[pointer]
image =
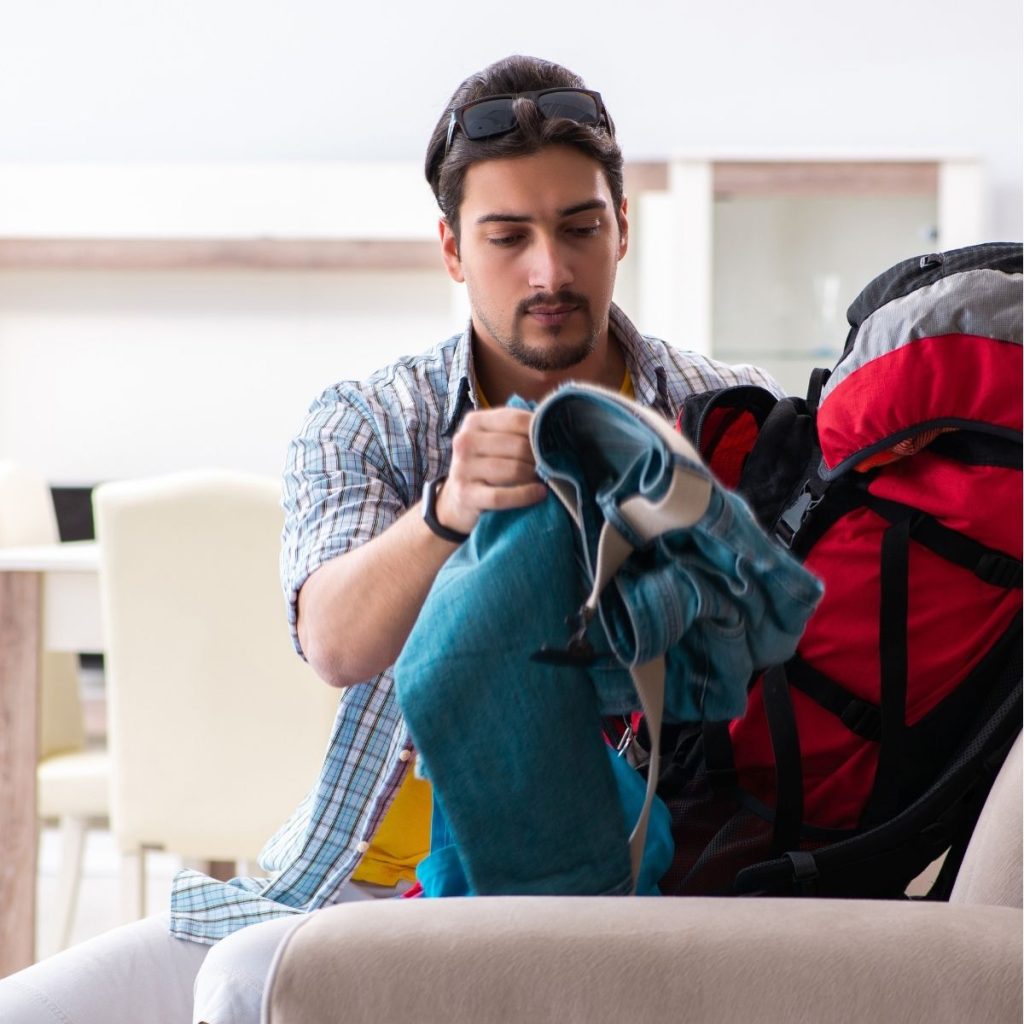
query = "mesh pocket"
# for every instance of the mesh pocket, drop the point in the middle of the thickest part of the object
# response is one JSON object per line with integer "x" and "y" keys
{"x": 715, "y": 837}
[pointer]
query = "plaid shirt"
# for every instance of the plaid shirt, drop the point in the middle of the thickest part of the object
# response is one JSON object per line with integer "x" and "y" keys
{"x": 358, "y": 463}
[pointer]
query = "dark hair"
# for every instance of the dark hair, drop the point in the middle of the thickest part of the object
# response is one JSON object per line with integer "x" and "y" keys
{"x": 516, "y": 74}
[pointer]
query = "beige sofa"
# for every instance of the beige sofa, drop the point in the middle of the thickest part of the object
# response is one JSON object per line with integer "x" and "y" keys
{"x": 602, "y": 959}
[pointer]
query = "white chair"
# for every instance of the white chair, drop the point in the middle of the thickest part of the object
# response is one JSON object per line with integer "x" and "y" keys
{"x": 72, "y": 781}
{"x": 217, "y": 728}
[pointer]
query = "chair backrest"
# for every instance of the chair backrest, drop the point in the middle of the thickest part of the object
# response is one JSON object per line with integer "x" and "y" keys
{"x": 991, "y": 872}
{"x": 217, "y": 727}
{"x": 27, "y": 517}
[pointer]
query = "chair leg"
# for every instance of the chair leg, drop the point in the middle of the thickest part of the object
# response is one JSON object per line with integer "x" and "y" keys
{"x": 222, "y": 870}
{"x": 133, "y": 885}
{"x": 72, "y": 844}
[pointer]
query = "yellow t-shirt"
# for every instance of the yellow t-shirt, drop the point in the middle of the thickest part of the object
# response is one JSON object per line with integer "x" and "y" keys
{"x": 402, "y": 840}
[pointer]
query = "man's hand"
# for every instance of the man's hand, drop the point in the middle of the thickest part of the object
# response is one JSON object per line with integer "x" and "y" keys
{"x": 492, "y": 468}
{"x": 356, "y": 611}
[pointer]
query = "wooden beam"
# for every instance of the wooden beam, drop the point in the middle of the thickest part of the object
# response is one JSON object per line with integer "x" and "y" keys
{"x": 645, "y": 176}
{"x": 20, "y": 643}
{"x": 731, "y": 178}
{"x": 825, "y": 178}
{"x": 218, "y": 254}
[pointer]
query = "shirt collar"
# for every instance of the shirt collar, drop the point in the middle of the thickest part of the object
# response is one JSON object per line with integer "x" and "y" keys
{"x": 461, "y": 382}
{"x": 643, "y": 360}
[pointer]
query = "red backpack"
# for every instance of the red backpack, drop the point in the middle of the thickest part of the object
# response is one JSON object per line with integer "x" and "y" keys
{"x": 898, "y": 482}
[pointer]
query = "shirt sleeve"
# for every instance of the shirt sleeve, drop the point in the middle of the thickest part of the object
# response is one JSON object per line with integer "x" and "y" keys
{"x": 692, "y": 373}
{"x": 749, "y": 374}
{"x": 343, "y": 484}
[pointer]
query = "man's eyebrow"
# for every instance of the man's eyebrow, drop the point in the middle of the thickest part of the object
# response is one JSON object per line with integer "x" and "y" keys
{"x": 504, "y": 218}
{"x": 522, "y": 218}
{"x": 590, "y": 204}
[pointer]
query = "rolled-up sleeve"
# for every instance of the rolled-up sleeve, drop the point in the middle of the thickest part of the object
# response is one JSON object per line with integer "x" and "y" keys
{"x": 341, "y": 487}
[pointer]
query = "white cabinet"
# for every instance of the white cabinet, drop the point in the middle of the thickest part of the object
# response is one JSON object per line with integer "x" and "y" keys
{"x": 756, "y": 260}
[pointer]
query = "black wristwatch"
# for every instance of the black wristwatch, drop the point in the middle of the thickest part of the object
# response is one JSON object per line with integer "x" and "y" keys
{"x": 430, "y": 489}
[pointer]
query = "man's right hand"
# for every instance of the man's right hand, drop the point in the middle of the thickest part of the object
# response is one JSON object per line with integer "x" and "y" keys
{"x": 356, "y": 611}
{"x": 492, "y": 468}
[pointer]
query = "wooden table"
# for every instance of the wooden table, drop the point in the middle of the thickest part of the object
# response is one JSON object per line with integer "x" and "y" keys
{"x": 49, "y": 599}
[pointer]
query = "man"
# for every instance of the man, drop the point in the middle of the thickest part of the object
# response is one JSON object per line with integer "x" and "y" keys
{"x": 528, "y": 176}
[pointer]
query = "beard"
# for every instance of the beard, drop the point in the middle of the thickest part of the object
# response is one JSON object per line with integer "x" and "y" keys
{"x": 564, "y": 349}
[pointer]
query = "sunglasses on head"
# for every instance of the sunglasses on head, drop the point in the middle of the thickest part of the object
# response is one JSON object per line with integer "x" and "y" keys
{"x": 495, "y": 115}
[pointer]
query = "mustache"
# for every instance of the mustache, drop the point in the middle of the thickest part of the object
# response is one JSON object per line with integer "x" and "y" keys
{"x": 559, "y": 298}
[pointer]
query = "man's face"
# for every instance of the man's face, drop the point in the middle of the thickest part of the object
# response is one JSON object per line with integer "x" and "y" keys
{"x": 541, "y": 241}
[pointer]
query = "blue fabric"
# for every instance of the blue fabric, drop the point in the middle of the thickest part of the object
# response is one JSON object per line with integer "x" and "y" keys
{"x": 442, "y": 873}
{"x": 503, "y": 738}
{"x": 513, "y": 746}
{"x": 719, "y": 599}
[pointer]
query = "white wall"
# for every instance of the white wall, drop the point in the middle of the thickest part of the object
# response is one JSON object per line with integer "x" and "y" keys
{"x": 117, "y": 374}
{"x": 318, "y": 79}
{"x": 108, "y": 375}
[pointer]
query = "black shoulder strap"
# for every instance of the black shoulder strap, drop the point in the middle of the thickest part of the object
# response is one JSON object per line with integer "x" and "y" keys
{"x": 892, "y": 638}
{"x": 819, "y": 378}
{"x": 789, "y": 783}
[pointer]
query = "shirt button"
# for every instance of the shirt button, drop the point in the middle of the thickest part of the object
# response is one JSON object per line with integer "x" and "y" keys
{"x": 405, "y": 755}
{"x": 362, "y": 847}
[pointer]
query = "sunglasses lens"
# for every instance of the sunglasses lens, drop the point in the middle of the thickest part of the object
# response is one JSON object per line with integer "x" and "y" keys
{"x": 488, "y": 117}
{"x": 495, "y": 115}
{"x": 576, "y": 106}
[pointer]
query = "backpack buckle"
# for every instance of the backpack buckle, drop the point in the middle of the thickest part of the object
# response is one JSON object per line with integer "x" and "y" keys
{"x": 804, "y": 872}
{"x": 864, "y": 719}
{"x": 793, "y": 518}
{"x": 999, "y": 570}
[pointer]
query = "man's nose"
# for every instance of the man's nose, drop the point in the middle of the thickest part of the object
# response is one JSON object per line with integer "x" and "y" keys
{"x": 550, "y": 266}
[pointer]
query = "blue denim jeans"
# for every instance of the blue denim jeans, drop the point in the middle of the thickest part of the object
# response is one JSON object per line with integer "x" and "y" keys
{"x": 512, "y": 744}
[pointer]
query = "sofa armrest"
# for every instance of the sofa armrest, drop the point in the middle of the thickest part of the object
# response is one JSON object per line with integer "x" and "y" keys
{"x": 991, "y": 870}
{"x": 594, "y": 959}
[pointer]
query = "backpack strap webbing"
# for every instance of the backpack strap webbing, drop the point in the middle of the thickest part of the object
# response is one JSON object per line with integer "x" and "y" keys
{"x": 858, "y": 715}
{"x": 805, "y": 872}
{"x": 892, "y": 641}
{"x": 979, "y": 448}
{"x": 988, "y": 564}
{"x": 819, "y": 378}
{"x": 789, "y": 784}
{"x": 880, "y": 861}
{"x": 719, "y": 763}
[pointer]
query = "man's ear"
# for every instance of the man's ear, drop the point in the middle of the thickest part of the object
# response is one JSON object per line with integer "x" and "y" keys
{"x": 623, "y": 227}
{"x": 450, "y": 251}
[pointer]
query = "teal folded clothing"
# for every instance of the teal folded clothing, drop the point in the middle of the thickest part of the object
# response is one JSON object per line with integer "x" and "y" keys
{"x": 442, "y": 874}
{"x": 548, "y": 617}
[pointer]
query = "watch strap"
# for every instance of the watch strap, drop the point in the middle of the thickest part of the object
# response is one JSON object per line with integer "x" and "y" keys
{"x": 430, "y": 489}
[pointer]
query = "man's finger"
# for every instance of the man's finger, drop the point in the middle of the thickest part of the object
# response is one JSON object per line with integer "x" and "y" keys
{"x": 502, "y": 420}
{"x": 483, "y": 444}
{"x": 496, "y": 472}
{"x": 496, "y": 498}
